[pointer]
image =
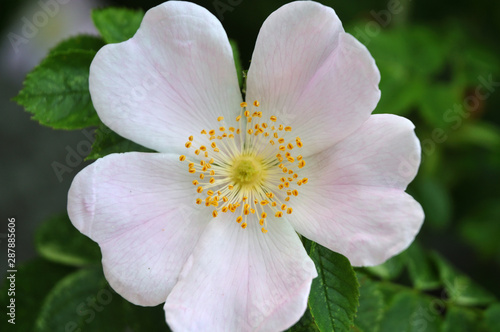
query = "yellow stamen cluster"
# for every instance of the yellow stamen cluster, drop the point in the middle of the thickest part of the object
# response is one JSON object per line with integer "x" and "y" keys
{"x": 248, "y": 170}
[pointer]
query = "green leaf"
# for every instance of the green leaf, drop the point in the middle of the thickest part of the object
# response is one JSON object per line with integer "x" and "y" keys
{"x": 479, "y": 60}
{"x": 409, "y": 312}
{"x": 57, "y": 93}
{"x": 481, "y": 134}
{"x": 428, "y": 56}
{"x": 481, "y": 228}
{"x": 334, "y": 293}
{"x": 389, "y": 290}
{"x": 391, "y": 269}
{"x": 436, "y": 201}
{"x": 237, "y": 62}
{"x": 34, "y": 280}
{"x": 398, "y": 98}
{"x": 407, "y": 58}
{"x": 59, "y": 241}
{"x": 460, "y": 288}
{"x": 420, "y": 268}
{"x": 81, "y": 42}
{"x": 437, "y": 100}
{"x": 117, "y": 24}
{"x": 82, "y": 300}
{"x": 460, "y": 319}
{"x": 144, "y": 319}
{"x": 371, "y": 305}
{"x": 492, "y": 317}
{"x": 107, "y": 142}
{"x": 305, "y": 324}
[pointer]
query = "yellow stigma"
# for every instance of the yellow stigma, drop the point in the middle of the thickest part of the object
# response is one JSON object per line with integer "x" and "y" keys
{"x": 244, "y": 172}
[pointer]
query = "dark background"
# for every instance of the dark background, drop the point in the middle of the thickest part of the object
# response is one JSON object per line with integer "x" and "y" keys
{"x": 431, "y": 55}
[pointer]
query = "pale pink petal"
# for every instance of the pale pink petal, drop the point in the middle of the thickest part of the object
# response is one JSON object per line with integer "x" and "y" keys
{"x": 384, "y": 152}
{"x": 314, "y": 76}
{"x": 354, "y": 201}
{"x": 171, "y": 80}
{"x": 242, "y": 280}
{"x": 139, "y": 208}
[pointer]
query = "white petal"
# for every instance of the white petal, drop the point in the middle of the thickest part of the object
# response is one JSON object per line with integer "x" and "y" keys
{"x": 368, "y": 225}
{"x": 354, "y": 202}
{"x": 242, "y": 280}
{"x": 313, "y": 75}
{"x": 139, "y": 208}
{"x": 171, "y": 80}
{"x": 384, "y": 152}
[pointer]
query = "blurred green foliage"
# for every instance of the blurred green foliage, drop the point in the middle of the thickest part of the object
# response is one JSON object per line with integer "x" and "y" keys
{"x": 440, "y": 67}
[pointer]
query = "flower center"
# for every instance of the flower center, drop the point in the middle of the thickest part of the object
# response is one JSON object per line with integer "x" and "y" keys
{"x": 250, "y": 170}
{"x": 247, "y": 171}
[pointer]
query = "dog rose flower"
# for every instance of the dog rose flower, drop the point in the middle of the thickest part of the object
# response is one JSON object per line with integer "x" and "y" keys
{"x": 209, "y": 224}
